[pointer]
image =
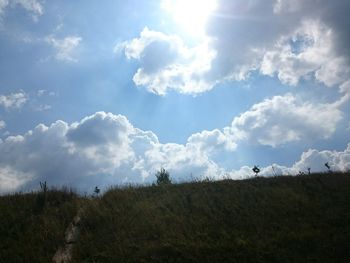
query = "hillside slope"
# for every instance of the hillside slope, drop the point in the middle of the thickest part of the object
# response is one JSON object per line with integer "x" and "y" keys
{"x": 281, "y": 219}
{"x": 32, "y": 226}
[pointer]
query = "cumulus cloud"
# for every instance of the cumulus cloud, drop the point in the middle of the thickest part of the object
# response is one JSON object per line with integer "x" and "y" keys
{"x": 290, "y": 39}
{"x": 167, "y": 63}
{"x": 13, "y": 100}
{"x": 312, "y": 158}
{"x": 100, "y": 149}
{"x": 307, "y": 51}
{"x": 215, "y": 140}
{"x": 284, "y": 119}
{"x": 99, "y": 136}
{"x": 104, "y": 149}
{"x": 339, "y": 161}
{"x": 11, "y": 180}
{"x": 303, "y": 37}
{"x": 45, "y": 154}
{"x": 181, "y": 160}
{"x": 275, "y": 121}
{"x": 64, "y": 47}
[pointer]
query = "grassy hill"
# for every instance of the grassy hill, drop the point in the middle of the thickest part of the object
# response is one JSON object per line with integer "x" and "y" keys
{"x": 32, "y": 225}
{"x": 280, "y": 219}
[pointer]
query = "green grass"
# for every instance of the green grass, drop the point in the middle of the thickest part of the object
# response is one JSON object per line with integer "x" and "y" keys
{"x": 32, "y": 225}
{"x": 279, "y": 219}
{"x": 282, "y": 219}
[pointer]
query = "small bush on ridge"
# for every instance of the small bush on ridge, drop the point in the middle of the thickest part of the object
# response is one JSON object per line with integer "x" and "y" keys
{"x": 163, "y": 177}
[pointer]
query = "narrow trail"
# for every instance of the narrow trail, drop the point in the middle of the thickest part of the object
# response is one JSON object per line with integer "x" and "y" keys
{"x": 64, "y": 253}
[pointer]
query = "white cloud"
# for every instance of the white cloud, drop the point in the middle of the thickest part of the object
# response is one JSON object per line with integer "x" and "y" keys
{"x": 13, "y": 100}
{"x": 3, "y": 5}
{"x": 104, "y": 149}
{"x": 284, "y": 119}
{"x": 45, "y": 154}
{"x": 308, "y": 50}
{"x": 33, "y": 6}
{"x": 166, "y": 63}
{"x": 2, "y": 124}
{"x": 12, "y": 180}
{"x": 44, "y": 92}
{"x": 215, "y": 140}
{"x": 292, "y": 39}
{"x": 339, "y": 161}
{"x": 103, "y": 138}
{"x": 313, "y": 159}
{"x": 65, "y": 47}
{"x": 43, "y": 107}
{"x": 274, "y": 122}
{"x": 101, "y": 149}
{"x": 41, "y": 92}
{"x": 181, "y": 160}
{"x": 345, "y": 87}
{"x": 241, "y": 31}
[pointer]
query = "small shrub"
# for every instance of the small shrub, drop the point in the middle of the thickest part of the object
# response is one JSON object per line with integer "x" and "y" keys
{"x": 163, "y": 177}
{"x": 256, "y": 170}
{"x": 96, "y": 191}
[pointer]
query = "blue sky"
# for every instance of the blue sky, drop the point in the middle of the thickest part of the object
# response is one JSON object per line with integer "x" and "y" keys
{"x": 99, "y": 94}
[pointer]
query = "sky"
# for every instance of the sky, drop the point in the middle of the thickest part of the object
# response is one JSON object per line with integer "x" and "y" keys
{"x": 100, "y": 94}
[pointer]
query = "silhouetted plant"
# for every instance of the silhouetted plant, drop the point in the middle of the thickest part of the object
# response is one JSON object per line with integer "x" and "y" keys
{"x": 41, "y": 197}
{"x": 208, "y": 179}
{"x": 256, "y": 170}
{"x": 273, "y": 170}
{"x": 43, "y": 187}
{"x": 328, "y": 167}
{"x": 96, "y": 191}
{"x": 163, "y": 177}
{"x": 227, "y": 177}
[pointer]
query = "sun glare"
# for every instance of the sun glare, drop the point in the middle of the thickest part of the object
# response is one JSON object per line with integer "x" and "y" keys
{"x": 190, "y": 15}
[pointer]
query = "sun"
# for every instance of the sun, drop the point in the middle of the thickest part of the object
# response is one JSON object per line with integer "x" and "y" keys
{"x": 190, "y": 15}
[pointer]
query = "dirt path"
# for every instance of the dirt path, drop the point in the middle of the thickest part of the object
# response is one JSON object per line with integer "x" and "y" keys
{"x": 64, "y": 253}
